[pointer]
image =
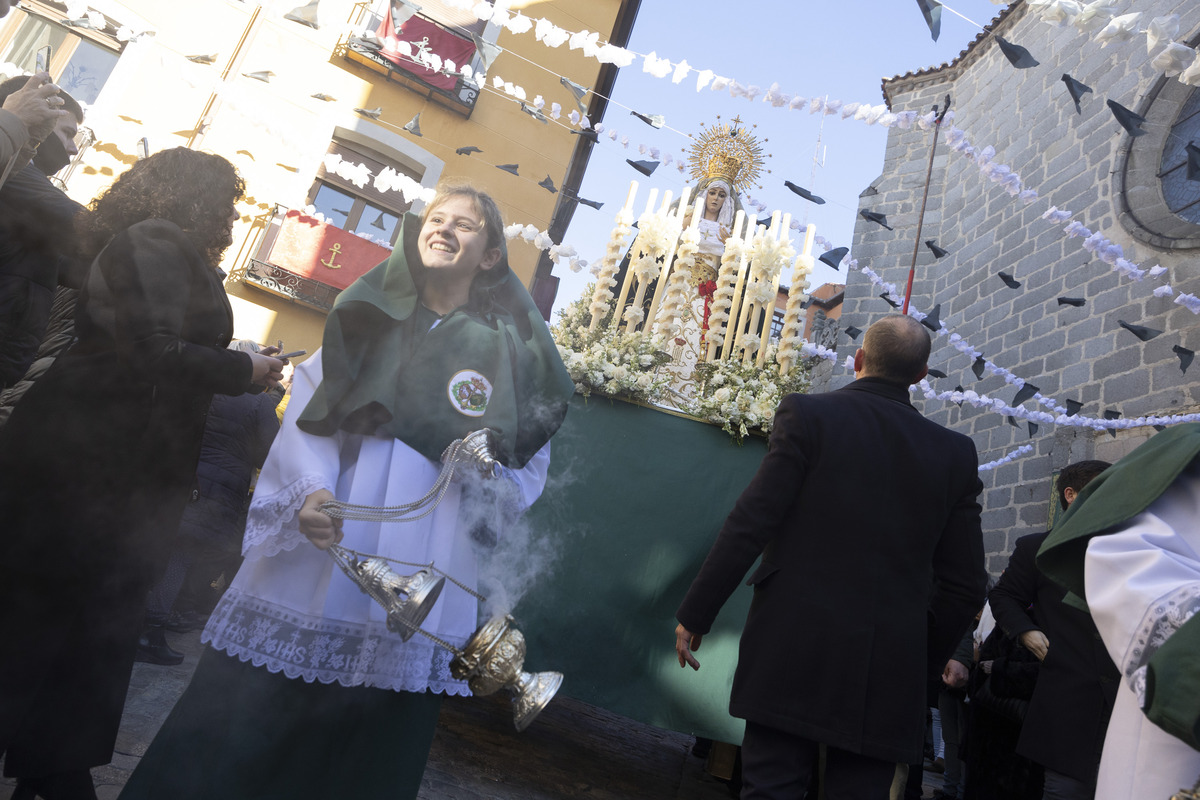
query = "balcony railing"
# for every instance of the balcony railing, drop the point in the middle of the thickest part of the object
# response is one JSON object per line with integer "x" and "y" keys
{"x": 307, "y": 260}
{"x": 459, "y": 97}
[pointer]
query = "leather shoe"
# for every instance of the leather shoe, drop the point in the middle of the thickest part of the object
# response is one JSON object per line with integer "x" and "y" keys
{"x": 153, "y": 649}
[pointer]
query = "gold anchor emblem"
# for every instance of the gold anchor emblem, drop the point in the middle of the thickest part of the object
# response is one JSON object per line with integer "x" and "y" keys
{"x": 333, "y": 254}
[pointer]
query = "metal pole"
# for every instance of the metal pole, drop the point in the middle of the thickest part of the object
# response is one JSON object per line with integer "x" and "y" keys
{"x": 937, "y": 127}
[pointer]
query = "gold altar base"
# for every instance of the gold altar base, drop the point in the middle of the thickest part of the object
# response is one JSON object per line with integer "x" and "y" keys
{"x": 493, "y": 659}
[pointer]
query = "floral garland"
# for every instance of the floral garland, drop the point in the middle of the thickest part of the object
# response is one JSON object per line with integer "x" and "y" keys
{"x": 606, "y": 360}
{"x": 742, "y": 398}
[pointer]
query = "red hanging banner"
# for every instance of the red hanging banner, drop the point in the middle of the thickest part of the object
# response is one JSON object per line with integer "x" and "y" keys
{"x": 429, "y": 37}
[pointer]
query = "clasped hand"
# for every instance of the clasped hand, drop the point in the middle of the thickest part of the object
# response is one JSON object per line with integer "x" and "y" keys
{"x": 321, "y": 529}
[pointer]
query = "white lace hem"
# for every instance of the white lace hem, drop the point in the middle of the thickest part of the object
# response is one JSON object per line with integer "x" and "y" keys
{"x": 271, "y": 523}
{"x": 1160, "y": 621}
{"x": 312, "y": 648}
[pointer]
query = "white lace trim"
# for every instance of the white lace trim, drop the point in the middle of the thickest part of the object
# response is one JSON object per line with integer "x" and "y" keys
{"x": 1161, "y": 620}
{"x": 271, "y": 524}
{"x": 317, "y": 649}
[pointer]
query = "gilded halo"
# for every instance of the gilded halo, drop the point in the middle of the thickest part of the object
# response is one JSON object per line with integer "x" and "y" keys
{"x": 726, "y": 150}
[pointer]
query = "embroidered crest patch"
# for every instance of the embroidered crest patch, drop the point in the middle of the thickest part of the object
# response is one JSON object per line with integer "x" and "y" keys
{"x": 469, "y": 392}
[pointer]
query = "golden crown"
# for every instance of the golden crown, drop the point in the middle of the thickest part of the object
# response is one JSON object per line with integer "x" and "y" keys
{"x": 728, "y": 151}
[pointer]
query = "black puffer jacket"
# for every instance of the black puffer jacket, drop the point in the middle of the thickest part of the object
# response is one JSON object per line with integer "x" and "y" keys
{"x": 237, "y": 436}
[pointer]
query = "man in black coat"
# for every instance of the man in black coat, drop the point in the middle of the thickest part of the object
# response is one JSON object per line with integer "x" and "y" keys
{"x": 38, "y": 250}
{"x": 1064, "y": 728}
{"x": 858, "y": 501}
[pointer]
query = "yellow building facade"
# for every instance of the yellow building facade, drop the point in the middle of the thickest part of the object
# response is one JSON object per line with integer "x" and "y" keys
{"x": 300, "y": 97}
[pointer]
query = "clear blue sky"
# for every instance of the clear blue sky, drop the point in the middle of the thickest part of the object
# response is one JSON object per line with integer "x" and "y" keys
{"x": 839, "y": 48}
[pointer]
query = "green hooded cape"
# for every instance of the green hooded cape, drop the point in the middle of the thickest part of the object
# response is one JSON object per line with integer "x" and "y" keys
{"x": 1117, "y": 495}
{"x": 490, "y": 363}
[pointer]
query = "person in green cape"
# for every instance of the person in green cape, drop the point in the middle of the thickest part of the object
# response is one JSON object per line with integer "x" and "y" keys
{"x": 1129, "y": 550}
{"x": 304, "y": 691}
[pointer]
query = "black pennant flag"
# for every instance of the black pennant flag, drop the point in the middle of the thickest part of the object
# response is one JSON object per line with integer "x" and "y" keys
{"x": 937, "y": 251}
{"x": 853, "y": 332}
{"x": 932, "y": 319}
{"x": 978, "y": 367}
{"x": 1140, "y": 331}
{"x": 1024, "y": 393}
{"x": 1009, "y": 280}
{"x": 932, "y": 11}
{"x": 1185, "y": 357}
{"x": 805, "y": 193}
{"x": 834, "y": 257}
{"x": 1130, "y": 121}
{"x": 645, "y": 167}
{"x": 936, "y": 373}
{"x": 1073, "y": 407}
{"x": 1076, "y": 89}
{"x": 876, "y": 217}
{"x": 1077, "y": 302}
{"x": 1017, "y": 56}
{"x": 1193, "y": 162}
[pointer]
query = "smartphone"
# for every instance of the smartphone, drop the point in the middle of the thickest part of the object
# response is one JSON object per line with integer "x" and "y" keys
{"x": 143, "y": 148}
{"x": 42, "y": 60}
{"x": 292, "y": 354}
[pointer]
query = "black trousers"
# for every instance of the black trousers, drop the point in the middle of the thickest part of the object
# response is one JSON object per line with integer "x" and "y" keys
{"x": 777, "y": 766}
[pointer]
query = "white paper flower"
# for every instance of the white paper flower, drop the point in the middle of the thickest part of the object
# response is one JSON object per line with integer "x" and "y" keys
{"x": 1174, "y": 59}
{"x": 1119, "y": 29}
{"x": 1160, "y": 31}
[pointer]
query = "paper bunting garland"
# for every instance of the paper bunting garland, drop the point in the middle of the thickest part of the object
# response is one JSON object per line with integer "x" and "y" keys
{"x": 1009, "y": 280}
{"x": 834, "y": 257}
{"x": 805, "y": 193}
{"x": 548, "y": 185}
{"x": 937, "y": 251}
{"x": 466, "y": 151}
{"x": 413, "y": 126}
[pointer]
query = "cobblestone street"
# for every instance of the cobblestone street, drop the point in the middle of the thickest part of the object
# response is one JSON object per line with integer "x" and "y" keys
{"x": 572, "y": 750}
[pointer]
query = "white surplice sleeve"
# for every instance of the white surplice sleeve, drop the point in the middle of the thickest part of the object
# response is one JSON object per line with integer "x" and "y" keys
{"x": 1143, "y": 582}
{"x": 298, "y": 465}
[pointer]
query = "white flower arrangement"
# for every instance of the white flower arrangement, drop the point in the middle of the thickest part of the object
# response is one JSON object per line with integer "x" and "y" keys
{"x": 607, "y": 361}
{"x": 742, "y": 398}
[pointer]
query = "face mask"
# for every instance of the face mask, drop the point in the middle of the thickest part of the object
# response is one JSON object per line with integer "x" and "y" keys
{"x": 51, "y": 155}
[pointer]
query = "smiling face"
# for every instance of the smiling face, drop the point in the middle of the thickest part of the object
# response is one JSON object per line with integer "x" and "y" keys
{"x": 714, "y": 198}
{"x": 453, "y": 242}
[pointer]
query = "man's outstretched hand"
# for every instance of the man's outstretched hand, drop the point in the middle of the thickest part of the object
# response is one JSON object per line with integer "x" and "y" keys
{"x": 685, "y": 643}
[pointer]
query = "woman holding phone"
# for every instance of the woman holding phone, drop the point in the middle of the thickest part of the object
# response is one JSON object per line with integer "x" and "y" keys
{"x": 100, "y": 456}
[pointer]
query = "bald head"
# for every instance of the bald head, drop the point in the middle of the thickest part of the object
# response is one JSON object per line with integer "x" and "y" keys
{"x": 895, "y": 349}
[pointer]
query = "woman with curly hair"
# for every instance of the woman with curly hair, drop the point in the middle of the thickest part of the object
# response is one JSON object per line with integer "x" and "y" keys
{"x": 99, "y": 458}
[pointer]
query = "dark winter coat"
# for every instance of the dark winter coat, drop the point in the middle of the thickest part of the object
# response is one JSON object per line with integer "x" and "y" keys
{"x": 1077, "y": 684}
{"x": 96, "y": 464}
{"x": 857, "y": 502}
{"x": 236, "y": 441}
{"x": 37, "y": 252}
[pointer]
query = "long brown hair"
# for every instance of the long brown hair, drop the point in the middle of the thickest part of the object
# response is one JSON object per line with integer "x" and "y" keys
{"x": 196, "y": 191}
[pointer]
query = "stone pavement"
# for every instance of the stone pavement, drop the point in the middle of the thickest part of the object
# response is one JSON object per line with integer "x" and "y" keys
{"x": 572, "y": 750}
